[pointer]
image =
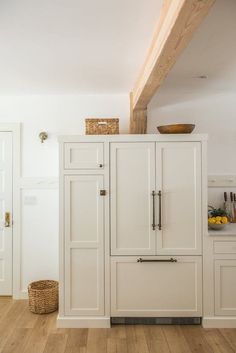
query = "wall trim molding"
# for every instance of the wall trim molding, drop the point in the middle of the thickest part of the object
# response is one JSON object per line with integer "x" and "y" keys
{"x": 39, "y": 183}
{"x": 23, "y": 294}
{"x": 221, "y": 180}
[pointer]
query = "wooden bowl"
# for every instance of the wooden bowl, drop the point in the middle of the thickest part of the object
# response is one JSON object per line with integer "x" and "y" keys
{"x": 176, "y": 129}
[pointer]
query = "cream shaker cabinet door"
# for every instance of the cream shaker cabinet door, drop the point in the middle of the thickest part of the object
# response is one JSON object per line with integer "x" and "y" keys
{"x": 84, "y": 238}
{"x": 225, "y": 287}
{"x": 131, "y": 185}
{"x": 156, "y": 286}
{"x": 83, "y": 155}
{"x": 178, "y": 198}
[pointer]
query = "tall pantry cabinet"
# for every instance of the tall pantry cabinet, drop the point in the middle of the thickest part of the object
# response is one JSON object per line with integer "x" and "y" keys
{"x": 131, "y": 227}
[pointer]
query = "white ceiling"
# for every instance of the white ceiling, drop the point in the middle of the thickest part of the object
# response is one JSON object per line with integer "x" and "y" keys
{"x": 211, "y": 52}
{"x": 73, "y": 46}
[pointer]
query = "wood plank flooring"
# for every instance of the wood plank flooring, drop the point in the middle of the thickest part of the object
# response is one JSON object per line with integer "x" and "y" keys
{"x": 24, "y": 332}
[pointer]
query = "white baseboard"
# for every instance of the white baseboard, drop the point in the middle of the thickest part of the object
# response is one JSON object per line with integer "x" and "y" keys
{"x": 83, "y": 322}
{"x": 219, "y": 322}
{"x": 23, "y": 294}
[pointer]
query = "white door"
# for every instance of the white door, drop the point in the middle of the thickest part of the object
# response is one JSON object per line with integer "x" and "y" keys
{"x": 84, "y": 239}
{"x": 178, "y": 198}
{"x": 5, "y": 213}
{"x": 132, "y": 183}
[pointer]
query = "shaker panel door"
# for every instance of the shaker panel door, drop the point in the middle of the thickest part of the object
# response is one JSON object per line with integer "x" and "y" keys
{"x": 131, "y": 186}
{"x": 225, "y": 287}
{"x": 178, "y": 178}
{"x": 84, "y": 238}
{"x": 159, "y": 289}
{"x": 83, "y": 155}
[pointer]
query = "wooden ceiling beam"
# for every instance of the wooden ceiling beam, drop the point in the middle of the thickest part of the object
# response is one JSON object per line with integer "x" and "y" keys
{"x": 177, "y": 22}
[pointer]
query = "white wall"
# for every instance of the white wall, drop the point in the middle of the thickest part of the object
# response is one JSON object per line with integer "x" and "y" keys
{"x": 215, "y": 115}
{"x": 57, "y": 115}
{"x": 212, "y": 114}
{"x": 39, "y": 197}
{"x": 65, "y": 115}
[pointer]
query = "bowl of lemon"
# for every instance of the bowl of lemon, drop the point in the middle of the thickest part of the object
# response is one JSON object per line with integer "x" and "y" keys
{"x": 217, "y": 218}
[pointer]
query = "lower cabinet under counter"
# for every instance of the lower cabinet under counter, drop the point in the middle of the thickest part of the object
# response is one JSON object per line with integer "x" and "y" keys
{"x": 157, "y": 288}
{"x": 225, "y": 287}
{"x": 219, "y": 280}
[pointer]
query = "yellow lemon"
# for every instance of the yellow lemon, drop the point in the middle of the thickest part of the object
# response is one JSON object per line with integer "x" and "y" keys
{"x": 224, "y": 220}
{"x": 211, "y": 220}
{"x": 218, "y": 218}
{"x": 218, "y": 222}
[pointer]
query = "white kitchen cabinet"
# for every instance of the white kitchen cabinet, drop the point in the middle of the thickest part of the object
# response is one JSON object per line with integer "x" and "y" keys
{"x": 84, "y": 238}
{"x": 178, "y": 179}
{"x": 159, "y": 287}
{"x": 219, "y": 278}
{"x": 156, "y": 184}
{"x": 123, "y": 198}
{"x": 131, "y": 185}
{"x": 83, "y": 155}
{"x": 225, "y": 287}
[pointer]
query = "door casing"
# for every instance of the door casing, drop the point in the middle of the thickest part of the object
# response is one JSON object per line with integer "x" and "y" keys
{"x": 14, "y": 128}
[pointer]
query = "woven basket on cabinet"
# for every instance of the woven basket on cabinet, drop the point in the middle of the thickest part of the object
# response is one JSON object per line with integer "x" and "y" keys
{"x": 43, "y": 296}
{"x": 102, "y": 126}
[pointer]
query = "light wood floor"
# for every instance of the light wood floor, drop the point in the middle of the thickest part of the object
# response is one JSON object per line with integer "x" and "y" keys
{"x": 24, "y": 332}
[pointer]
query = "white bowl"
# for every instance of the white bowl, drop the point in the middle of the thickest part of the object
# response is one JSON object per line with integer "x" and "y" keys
{"x": 217, "y": 226}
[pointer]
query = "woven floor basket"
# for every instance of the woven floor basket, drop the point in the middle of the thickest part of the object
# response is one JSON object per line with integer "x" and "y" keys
{"x": 43, "y": 296}
{"x": 102, "y": 126}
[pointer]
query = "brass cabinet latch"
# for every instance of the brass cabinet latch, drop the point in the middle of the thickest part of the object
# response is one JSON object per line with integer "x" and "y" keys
{"x": 103, "y": 192}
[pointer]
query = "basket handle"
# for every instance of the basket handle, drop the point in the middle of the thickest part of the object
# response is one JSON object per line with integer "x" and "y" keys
{"x": 102, "y": 123}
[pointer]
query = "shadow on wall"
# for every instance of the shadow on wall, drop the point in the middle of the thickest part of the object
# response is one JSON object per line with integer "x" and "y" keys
{"x": 208, "y": 103}
{"x": 214, "y": 115}
{"x": 211, "y": 53}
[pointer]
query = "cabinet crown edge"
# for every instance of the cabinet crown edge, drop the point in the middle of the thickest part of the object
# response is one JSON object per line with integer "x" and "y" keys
{"x": 133, "y": 138}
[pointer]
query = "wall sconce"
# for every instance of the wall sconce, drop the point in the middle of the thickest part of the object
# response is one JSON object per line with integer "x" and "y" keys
{"x": 43, "y": 136}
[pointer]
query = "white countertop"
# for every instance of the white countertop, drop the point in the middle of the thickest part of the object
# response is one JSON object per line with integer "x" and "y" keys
{"x": 230, "y": 229}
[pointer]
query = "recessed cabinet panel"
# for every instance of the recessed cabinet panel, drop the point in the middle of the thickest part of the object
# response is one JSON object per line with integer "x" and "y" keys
{"x": 156, "y": 288}
{"x": 86, "y": 207}
{"x": 225, "y": 287}
{"x": 84, "y": 241}
{"x": 84, "y": 155}
{"x": 86, "y": 282}
{"x": 178, "y": 177}
{"x": 224, "y": 247}
{"x": 132, "y": 182}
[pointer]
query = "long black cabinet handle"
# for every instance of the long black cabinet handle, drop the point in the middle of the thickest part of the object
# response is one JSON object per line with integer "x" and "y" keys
{"x": 159, "y": 224}
{"x": 157, "y": 260}
{"x": 153, "y": 211}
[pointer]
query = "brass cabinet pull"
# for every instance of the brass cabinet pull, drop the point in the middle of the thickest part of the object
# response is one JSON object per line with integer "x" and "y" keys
{"x": 159, "y": 224}
{"x": 157, "y": 260}
{"x": 100, "y": 165}
{"x": 103, "y": 193}
{"x": 153, "y": 211}
{"x": 7, "y": 219}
